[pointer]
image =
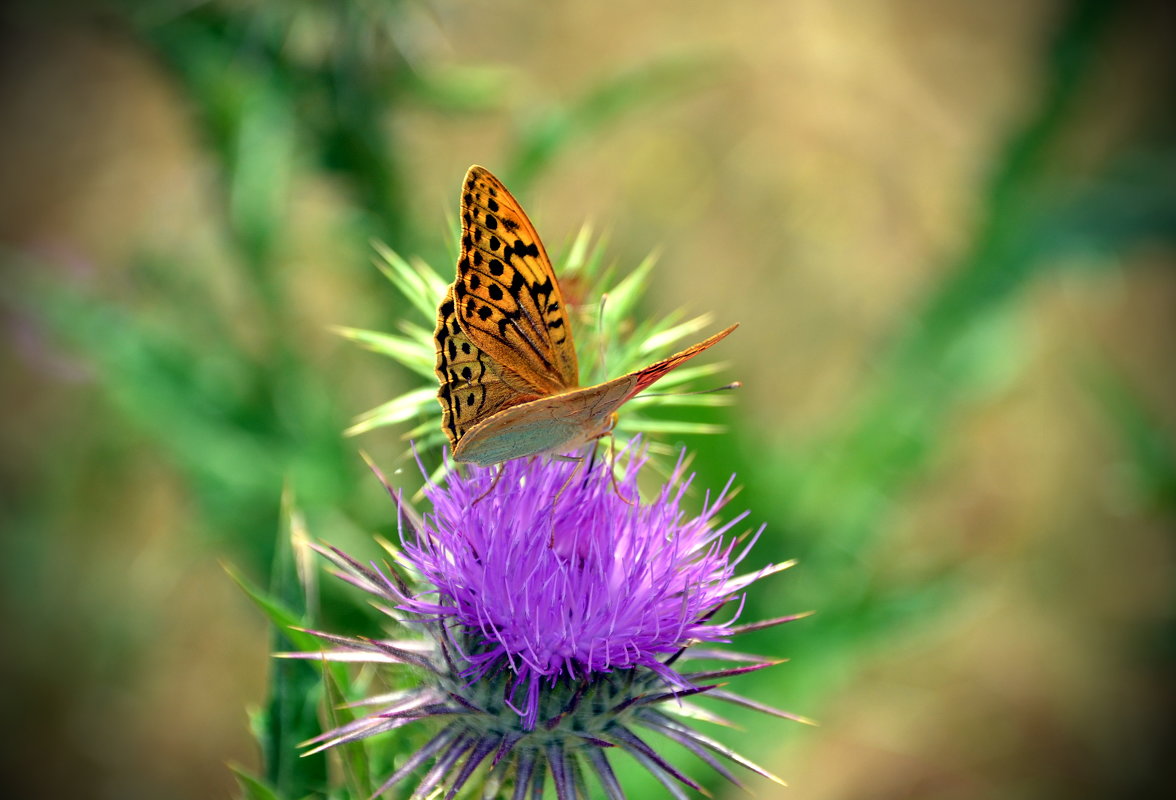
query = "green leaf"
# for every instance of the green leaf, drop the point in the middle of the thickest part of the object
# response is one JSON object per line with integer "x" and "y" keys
{"x": 420, "y": 283}
{"x": 413, "y": 354}
{"x": 400, "y": 409}
{"x": 295, "y": 686}
{"x": 252, "y": 787}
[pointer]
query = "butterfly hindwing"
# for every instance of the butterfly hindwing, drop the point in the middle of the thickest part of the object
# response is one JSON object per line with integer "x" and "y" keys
{"x": 507, "y": 299}
{"x": 470, "y": 388}
{"x": 554, "y": 424}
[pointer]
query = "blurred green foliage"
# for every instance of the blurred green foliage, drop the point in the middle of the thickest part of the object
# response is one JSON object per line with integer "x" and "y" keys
{"x": 310, "y": 86}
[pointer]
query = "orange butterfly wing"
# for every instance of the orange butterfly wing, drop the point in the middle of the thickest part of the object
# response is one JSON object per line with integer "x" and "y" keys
{"x": 507, "y": 299}
{"x": 471, "y": 387}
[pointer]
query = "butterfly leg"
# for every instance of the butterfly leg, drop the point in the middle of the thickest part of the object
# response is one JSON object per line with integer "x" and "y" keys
{"x": 612, "y": 469}
{"x": 591, "y": 464}
{"x": 493, "y": 483}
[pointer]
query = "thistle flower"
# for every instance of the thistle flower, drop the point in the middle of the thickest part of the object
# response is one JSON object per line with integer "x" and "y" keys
{"x": 559, "y": 620}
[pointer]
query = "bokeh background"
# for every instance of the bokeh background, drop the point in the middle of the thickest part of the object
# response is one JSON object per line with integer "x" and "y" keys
{"x": 946, "y": 228}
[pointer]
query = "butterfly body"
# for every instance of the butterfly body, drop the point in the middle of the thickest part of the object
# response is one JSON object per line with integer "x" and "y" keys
{"x": 509, "y": 378}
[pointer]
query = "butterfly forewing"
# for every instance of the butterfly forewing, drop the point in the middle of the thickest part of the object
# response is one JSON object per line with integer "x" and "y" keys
{"x": 471, "y": 387}
{"x": 507, "y": 299}
{"x": 655, "y": 371}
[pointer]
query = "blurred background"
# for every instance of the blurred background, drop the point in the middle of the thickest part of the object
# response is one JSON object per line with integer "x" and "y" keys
{"x": 947, "y": 229}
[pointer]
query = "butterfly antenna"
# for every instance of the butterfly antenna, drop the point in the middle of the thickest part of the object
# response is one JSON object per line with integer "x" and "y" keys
{"x": 727, "y": 388}
{"x": 600, "y": 334}
{"x": 493, "y": 483}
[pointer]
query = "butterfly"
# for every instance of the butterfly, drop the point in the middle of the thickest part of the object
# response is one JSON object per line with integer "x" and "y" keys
{"x": 506, "y": 363}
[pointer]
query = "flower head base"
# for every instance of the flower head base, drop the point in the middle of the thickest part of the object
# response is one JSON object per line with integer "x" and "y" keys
{"x": 543, "y": 652}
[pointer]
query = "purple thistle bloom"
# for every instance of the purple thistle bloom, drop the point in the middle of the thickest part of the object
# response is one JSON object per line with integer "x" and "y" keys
{"x": 624, "y": 585}
{"x": 559, "y": 616}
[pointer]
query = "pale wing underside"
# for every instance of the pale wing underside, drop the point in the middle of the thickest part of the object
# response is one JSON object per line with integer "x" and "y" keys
{"x": 564, "y": 421}
{"x": 508, "y": 300}
{"x": 554, "y": 424}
